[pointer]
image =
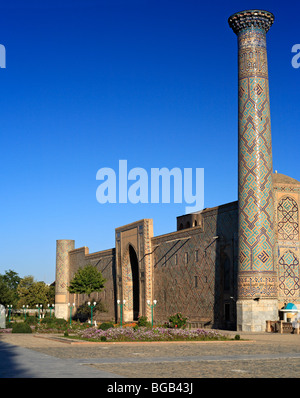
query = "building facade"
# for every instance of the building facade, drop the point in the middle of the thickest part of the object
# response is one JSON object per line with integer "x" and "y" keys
{"x": 193, "y": 270}
{"x": 232, "y": 266}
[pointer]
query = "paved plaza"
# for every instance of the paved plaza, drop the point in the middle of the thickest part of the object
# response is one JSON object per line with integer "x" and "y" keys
{"x": 257, "y": 355}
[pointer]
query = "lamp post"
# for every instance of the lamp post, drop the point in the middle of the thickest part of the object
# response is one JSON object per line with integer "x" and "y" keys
{"x": 91, "y": 307}
{"x": 39, "y": 308}
{"x": 71, "y": 306}
{"x": 152, "y": 306}
{"x": 9, "y": 312}
{"x": 121, "y": 311}
{"x": 51, "y": 307}
{"x": 24, "y": 310}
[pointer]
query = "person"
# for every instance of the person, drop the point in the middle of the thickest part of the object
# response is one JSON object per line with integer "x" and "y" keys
{"x": 295, "y": 325}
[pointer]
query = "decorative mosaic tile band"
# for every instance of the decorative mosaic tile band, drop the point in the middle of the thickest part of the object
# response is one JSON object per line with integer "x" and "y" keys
{"x": 252, "y": 54}
{"x": 257, "y": 285}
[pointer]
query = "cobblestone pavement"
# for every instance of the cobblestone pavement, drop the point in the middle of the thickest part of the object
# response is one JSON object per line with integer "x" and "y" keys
{"x": 258, "y": 355}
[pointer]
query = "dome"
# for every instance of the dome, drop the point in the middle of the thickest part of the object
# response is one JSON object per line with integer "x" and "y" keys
{"x": 291, "y": 307}
{"x": 283, "y": 179}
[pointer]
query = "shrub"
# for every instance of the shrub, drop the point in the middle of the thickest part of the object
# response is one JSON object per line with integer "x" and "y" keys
{"x": 54, "y": 322}
{"x": 47, "y": 321}
{"x": 177, "y": 321}
{"x": 60, "y": 322}
{"x": 52, "y": 325}
{"x": 31, "y": 320}
{"x": 237, "y": 337}
{"x": 106, "y": 325}
{"x": 103, "y": 338}
{"x": 83, "y": 312}
{"x": 142, "y": 321}
{"x": 21, "y": 327}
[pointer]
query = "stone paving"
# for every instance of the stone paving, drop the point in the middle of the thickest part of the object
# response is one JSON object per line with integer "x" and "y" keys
{"x": 258, "y": 355}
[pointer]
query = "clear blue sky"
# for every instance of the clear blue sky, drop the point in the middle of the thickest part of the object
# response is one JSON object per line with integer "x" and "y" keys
{"x": 152, "y": 81}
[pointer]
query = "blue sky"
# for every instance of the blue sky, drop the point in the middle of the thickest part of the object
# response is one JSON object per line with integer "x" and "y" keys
{"x": 88, "y": 83}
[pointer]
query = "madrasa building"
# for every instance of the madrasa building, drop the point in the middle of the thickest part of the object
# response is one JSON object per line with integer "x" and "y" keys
{"x": 233, "y": 266}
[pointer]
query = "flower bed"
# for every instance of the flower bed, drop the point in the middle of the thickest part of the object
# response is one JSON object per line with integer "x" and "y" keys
{"x": 6, "y": 330}
{"x": 146, "y": 334}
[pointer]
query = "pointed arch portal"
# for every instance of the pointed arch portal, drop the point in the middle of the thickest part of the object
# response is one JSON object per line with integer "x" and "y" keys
{"x": 135, "y": 283}
{"x": 134, "y": 269}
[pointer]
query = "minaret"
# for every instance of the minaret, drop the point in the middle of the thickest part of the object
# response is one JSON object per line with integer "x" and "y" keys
{"x": 257, "y": 297}
{"x": 62, "y": 277}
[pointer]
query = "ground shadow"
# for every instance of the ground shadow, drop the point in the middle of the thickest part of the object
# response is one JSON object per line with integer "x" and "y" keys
{"x": 10, "y": 364}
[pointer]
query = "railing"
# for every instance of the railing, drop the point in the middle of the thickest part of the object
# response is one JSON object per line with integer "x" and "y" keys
{"x": 281, "y": 327}
{"x": 29, "y": 311}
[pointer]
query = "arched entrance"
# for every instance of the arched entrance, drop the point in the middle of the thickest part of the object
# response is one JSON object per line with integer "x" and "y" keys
{"x": 135, "y": 283}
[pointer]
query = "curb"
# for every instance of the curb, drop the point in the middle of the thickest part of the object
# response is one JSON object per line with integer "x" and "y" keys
{"x": 82, "y": 342}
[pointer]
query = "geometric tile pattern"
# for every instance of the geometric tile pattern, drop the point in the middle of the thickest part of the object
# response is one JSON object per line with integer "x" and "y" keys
{"x": 256, "y": 205}
{"x": 147, "y": 235}
{"x": 287, "y": 218}
{"x": 288, "y": 273}
{"x": 62, "y": 264}
{"x": 127, "y": 281}
{"x": 254, "y": 284}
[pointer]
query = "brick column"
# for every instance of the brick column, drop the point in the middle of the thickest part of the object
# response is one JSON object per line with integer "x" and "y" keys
{"x": 62, "y": 277}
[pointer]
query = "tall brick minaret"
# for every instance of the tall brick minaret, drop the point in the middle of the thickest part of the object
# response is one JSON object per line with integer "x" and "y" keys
{"x": 257, "y": 297}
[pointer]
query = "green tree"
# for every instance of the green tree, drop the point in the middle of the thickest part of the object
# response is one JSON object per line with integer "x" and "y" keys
{"x": 8, "y": 288}
{"x": 24, "y": 291}
{"x": 32, "y": 293}
{"x": 51, "y": 294}
{"x": 12, "y": 279}
{"x": 87, "y": 280}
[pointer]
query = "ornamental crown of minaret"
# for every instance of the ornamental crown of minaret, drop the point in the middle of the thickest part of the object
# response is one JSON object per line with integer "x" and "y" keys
{"x": 245, "y": 19}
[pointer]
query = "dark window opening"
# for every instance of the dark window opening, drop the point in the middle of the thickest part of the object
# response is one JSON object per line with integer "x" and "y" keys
{"x": 135, "y": 282}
